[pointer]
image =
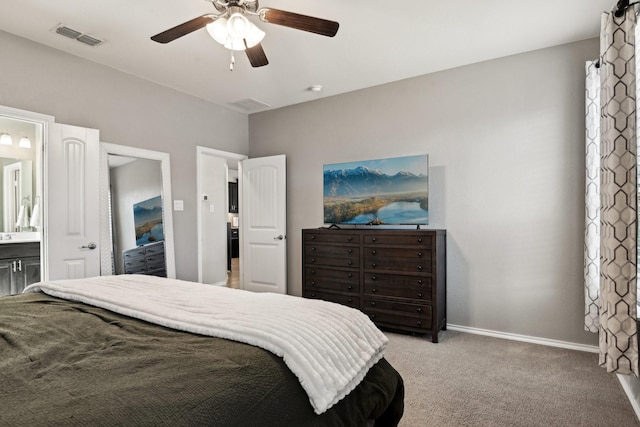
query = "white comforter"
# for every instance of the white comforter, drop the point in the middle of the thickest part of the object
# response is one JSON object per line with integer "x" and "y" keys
{"x": 329, "y": 347}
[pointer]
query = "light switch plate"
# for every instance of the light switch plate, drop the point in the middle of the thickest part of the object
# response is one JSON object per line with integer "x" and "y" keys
{"x": 178, "y": 205}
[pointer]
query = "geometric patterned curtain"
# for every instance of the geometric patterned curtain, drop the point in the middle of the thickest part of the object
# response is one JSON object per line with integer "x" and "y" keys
{"x": 592, "y": 199}
{"x": 618, "y": 195}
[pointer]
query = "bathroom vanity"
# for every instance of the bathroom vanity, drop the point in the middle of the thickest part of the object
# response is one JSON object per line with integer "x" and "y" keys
{"x": 19, "y": 261}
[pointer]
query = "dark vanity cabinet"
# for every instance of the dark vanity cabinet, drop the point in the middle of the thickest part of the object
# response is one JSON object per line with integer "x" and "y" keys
{"x": 233, "y": 197}
{"x": 19, "y": 266}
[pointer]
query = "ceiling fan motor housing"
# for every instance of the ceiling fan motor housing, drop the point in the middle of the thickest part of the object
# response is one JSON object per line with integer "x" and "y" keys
{"x": 225, "y": 5}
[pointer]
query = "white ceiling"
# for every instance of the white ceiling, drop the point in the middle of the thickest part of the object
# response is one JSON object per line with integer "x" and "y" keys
{"x": 378, "y": 42}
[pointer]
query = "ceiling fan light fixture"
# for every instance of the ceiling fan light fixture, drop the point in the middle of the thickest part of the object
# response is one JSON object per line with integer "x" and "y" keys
{"x": 218, "y": 30}
{"x": 254, "y": 35}
{"x": 232, "y": 32}
{"x": 238, "y": 25}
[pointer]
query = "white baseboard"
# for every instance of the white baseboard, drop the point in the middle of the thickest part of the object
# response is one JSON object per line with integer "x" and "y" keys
{"x": 525, "y": 338}
{"x": 629, "y": 392}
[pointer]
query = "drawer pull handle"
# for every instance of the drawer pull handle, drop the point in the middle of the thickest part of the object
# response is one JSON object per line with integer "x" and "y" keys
{"x": 313, "y": 283}
{"x": 419, "y": 240}
{"x": 373, "y": 290}
{"x": 419, "y": 253}
{"x": 349, "y": 300}
{"x": 350, "y": 251}
{"x": 373, "y": 239}
{"x": 350, "y": 238}
{"x": 419, "y": 295}
{"x": 349, "y": 275}
{"x": 420, "y": 310}
{"x": 419, "y": 323}
{"x": 373, "y": 304}
{"x": 313, "y": 249}
{"x": 313, "y": 272}
{"x": 349, "y": 262}
{"x": 313, "y": 237}
{"x": 372, "y": 316}
{"x": 373, "y": 277}
{"x": 313, "y": 295}
{"x": 419, "y": 282}
{"x": 373, "y": 252}
{"x": 373, "y": 265}
{"x": 419, "y": 267}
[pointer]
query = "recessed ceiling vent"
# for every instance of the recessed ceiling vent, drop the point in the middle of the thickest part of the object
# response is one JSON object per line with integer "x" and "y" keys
{"x": 63, "y": 30}
{"x": 249, "y": 105}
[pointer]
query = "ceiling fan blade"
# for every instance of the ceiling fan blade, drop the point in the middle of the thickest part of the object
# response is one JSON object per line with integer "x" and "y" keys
{"x": 256, "y": 55}
{"x": 299, "y": 22}
{"x": 183, "y": 29}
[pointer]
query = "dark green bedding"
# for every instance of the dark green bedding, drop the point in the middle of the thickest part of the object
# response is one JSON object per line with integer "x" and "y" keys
{"x": 67, "y": 363}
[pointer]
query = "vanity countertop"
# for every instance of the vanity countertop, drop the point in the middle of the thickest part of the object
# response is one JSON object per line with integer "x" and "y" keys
{"x": 23, "y": 237}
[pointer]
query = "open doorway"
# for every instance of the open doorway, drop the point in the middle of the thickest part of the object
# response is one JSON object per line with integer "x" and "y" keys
{"x": 218, "y": 217}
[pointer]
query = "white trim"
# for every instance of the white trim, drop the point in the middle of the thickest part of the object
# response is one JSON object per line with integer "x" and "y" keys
{"x": 525, "y": 338}
{"x": 42, "y": 135}
{"x": 629, "y": 392}
{"x": 167, "y": 201}
{"x": 201, "y": 152}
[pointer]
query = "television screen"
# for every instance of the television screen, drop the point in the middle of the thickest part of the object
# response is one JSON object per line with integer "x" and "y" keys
{"x": 385, "y": 191}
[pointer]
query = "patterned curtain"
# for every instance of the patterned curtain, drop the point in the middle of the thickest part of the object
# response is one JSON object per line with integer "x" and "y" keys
{"x": 618, "y": 195}
{"x": 592, "y": 199}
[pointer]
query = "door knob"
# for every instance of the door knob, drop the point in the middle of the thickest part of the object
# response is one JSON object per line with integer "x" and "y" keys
{"x": 91, "y": 246}
{"x": 280, "y": 237}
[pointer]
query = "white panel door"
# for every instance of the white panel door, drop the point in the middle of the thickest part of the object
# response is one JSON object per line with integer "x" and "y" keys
{"x": 263, "y": 224}
{"x": 73, "y": 207}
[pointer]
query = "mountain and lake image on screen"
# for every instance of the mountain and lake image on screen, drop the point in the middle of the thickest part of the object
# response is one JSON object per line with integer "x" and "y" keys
{"x": 390, "y": 191}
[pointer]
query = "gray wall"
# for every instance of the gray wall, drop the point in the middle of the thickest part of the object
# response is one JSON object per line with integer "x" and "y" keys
{"x": 127, "y": 111}
{"x": 505, "y": 140}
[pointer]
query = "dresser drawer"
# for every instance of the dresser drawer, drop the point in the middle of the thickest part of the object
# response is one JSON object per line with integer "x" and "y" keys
{"x": 397, "y": 313}
{"x": 414, "y": 287}
{"x": 337, "y": 280}
{"x": 133, "y": 253}
{"x": 332, "y": 237}
{"x": 155, "y": 249}
{"x": 398, "y": 238}
{"x": 337, "y": 251}
{"x": 349, "y": 300}
{"x": 134, "y": 265}
{"x": 343, "y": 261}
{"x": 155, "y": 262}
{"x": 400, "y": 259}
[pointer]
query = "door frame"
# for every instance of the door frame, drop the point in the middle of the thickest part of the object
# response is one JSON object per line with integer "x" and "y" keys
{"x": 106, "y": 247}
{"x": 42, "y": 136}
{"x": 201, "y": 152}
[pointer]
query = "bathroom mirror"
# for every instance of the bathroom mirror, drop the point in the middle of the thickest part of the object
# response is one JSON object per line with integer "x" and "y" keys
{"x": 20, "y": 177}
{"x": 137, "y": 221}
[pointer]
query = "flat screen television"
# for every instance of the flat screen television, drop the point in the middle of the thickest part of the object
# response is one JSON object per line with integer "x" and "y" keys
{"x": 393, "y": 191}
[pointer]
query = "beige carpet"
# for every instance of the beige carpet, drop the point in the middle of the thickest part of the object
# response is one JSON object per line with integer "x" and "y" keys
{"x": 472, "y": 380}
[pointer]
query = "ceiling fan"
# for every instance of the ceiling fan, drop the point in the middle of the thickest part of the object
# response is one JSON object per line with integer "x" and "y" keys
{"x": 231, "y": 28}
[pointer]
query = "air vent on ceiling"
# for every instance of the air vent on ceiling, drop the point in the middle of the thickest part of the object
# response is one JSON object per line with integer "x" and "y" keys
{"x": 63, "y": 30}
{"x": 249, "y": 105}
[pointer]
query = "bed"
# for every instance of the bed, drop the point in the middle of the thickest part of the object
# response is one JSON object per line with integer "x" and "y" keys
{"x": 148, "y": 351}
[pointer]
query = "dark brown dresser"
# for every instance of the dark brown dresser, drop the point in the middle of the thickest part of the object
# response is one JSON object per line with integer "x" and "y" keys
{"x": 397, "y": 277}
{"x": 145, "y": 259}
